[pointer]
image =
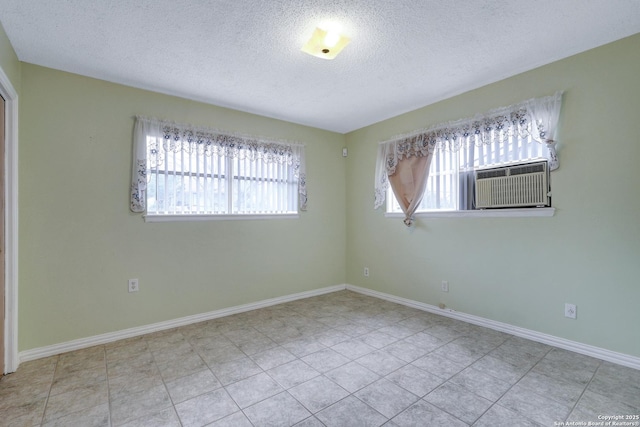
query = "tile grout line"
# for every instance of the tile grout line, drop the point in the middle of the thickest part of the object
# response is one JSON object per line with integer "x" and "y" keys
{"x": 573, "y": 408}
{"x": 445, "y": 380}
{"x": 444, "y": 343}
{"x": 106, "y": 374}
{"x": 164, "y": 383}
{"x": 512, "y": 386}
{"x": 378, "y": 329}
{"x": 321, "y": 374}
{"x": 46, "y": 403}
{"x": 298, "y": 358}
{"x": 384, "y": 376}
{"x": 266, "y": 373}
{"x": 222, "y": 386}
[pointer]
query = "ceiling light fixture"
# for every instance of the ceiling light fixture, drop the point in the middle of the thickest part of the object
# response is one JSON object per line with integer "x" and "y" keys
{"x": 325, "y": 43}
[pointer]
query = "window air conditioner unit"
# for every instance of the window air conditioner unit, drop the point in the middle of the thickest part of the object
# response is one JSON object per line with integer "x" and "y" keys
{"x": 515, "y": 186}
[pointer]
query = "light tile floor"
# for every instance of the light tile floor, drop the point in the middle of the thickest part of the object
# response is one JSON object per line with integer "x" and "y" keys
{"x": 341, "y": 359}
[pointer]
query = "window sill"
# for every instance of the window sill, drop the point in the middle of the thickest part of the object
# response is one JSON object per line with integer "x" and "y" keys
{"x": 485, "y": 213}
{"x": 192, "y": 217}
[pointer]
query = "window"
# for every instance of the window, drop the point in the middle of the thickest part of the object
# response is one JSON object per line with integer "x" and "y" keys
{"x": 433, "y": 169}
{"x": 182, "y": 171}
{"x": 450, "y": 185}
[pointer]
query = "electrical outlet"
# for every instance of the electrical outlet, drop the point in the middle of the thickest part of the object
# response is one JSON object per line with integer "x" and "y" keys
{"x": 134, "y": 285}
{"x": 570, "y": 311}
{"x": 366, "y": 272}
{"x": 445, "y": 286}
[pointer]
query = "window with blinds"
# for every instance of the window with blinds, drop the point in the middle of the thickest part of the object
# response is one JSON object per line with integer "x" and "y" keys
{"x": 182, "y": 172}
{"x": 195, "y": 182}
{"x": 451, "y": 180}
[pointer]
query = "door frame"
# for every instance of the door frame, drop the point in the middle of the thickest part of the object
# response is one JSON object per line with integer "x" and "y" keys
{"x": 8, "y": 92}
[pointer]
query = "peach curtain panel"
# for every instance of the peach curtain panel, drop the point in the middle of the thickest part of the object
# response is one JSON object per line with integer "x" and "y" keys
{"x": 408, "y": 183}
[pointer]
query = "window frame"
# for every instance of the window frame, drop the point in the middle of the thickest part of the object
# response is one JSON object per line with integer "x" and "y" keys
{"x": 481, "y": 213}
{"x": 226, "y": 192}
{"x": 231, "y": 178}
{"x": 535, "y": 118}
{"x": 469, "y": 167}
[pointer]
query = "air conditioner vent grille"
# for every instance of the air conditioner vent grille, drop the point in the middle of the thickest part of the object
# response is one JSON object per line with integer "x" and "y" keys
{"x": 526, "y": 169}
{"x": 513, "y": 186}
{"x": 491, "y": 173}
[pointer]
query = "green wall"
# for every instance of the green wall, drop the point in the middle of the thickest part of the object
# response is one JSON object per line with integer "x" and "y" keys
{"x": 9, "y": 60}
{"x": 79, "y": 243}
{"x": 521, "y": 271}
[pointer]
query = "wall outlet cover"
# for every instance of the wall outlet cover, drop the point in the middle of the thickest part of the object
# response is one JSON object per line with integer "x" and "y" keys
{"x": 570, "y": 311}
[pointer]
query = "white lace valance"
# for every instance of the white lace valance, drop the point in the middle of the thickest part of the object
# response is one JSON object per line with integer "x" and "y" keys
{"x": 148, "y": 133}
{"x": 536, "y": 118}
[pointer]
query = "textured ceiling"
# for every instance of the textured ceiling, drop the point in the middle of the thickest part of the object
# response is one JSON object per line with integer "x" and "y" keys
{"x": 404, "y": 54}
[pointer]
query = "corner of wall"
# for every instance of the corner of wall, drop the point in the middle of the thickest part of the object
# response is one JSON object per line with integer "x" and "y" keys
{"x": 9, "y": 62}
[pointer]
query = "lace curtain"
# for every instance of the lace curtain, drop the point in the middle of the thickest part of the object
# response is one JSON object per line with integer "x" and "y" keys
{"x": 535, "y": 118}
{"x": 178, "y": 137}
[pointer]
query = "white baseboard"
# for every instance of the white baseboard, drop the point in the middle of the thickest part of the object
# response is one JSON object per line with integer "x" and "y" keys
{"x": 52, "y": 350}
{"x": 588, "y": 350}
